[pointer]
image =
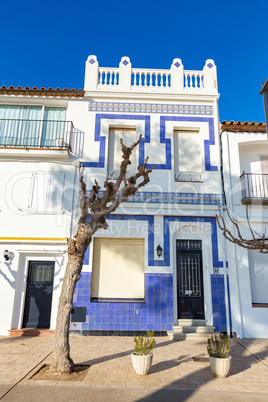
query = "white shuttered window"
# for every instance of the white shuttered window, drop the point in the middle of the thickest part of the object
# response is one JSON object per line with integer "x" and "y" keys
{"x": 187, "y": 156}
{"x": 128, "y": 136}
{"x": 118, "y": 268}
{"x": 264, "y": 164}
{"x": 47, "y": 192}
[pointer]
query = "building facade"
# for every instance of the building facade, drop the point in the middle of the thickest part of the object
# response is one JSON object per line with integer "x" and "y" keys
{"x": 245, "y": 179}
{"x": 162, "y": 257}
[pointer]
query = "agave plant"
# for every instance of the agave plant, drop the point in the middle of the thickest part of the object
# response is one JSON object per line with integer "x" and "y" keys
{"x": 144, "y": 344}
{"x": 218, "y": 345}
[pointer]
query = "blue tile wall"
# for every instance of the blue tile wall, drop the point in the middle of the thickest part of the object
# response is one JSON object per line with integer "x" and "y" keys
{"x": 156, "y": 313}
{"x": 218, "y": 303}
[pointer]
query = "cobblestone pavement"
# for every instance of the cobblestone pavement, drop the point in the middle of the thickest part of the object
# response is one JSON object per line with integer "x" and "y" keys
{"x": 111, "y": 367}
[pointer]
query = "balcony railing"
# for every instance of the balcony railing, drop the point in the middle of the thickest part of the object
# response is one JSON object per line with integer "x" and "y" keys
{"x": 254, "y": 188}
{"x": 45, "y": 134}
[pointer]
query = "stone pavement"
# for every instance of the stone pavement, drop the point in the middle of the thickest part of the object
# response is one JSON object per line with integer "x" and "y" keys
{"x": 175, "y": 375}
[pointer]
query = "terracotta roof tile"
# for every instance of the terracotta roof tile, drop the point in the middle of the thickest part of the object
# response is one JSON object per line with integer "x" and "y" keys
{"x": 41, "y": 91}
{"x": 240, "y": 126}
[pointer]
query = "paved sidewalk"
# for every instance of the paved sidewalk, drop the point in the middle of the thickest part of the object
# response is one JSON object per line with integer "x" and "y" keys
{"x": 174, "y": 374}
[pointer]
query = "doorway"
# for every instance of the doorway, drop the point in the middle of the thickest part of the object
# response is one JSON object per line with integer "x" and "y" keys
{"x": 190, "y": 293}
{"x": 37, "y": 310}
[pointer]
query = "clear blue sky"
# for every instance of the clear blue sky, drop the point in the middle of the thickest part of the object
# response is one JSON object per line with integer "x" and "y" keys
{"x": 47, "y": 43}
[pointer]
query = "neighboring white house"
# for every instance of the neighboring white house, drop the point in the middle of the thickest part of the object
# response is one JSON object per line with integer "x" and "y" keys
{"x": 48, "y": 138}
{"x": 245, "y": 178}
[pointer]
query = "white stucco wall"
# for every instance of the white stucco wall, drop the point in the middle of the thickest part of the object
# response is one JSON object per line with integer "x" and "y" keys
{"x": 241, "y": 152}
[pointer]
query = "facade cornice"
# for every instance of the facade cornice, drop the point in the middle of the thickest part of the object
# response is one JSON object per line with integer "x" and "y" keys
{"x": 104, "y": 95}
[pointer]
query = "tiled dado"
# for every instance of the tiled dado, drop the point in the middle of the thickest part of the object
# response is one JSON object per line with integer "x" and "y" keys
{"x": 149, "y": 108}
{"x": 156, "y": 313}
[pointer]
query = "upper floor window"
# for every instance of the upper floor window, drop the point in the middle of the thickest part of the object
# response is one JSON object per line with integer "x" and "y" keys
{"x": 187, "y": 156}
{"x": 47, "y": 191}
{"x": 128, "y": 136}
{"x": 31, "y": 126}
{"x": 264, "y": 164}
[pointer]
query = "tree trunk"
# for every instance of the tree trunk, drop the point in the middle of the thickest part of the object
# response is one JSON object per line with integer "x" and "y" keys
{"x": 62, "y": 362}
{"x": 99, "y": 207}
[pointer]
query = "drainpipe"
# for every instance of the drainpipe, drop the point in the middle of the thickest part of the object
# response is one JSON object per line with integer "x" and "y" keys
{"x": 226, "y": 298}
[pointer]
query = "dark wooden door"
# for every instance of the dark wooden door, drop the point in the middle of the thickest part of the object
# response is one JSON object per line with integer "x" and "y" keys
{"x": 39, "y": 290}
{"x": 190, "y": 279}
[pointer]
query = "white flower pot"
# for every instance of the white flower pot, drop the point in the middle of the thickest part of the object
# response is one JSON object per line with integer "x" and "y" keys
{"x": 59, "y": 142}
{"x": 142, "y": 364}
{"x": 220, "y": 367}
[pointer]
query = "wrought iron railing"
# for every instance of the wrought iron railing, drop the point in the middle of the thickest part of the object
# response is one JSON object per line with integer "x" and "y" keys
{"x": 254, "y": 186}
{"x": 36, "y": 134}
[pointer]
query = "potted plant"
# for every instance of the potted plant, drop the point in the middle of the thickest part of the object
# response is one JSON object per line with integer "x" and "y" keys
{"x": 142, "y": 357}
{"x": 218, "y": 349}
{"x": 59, "y": 142}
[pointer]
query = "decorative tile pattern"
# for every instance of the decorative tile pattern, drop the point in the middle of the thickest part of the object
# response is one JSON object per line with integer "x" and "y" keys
{"x": 147, "y": 137}
{"x": 177, "y": 64}
{"x": 156, "y": 313}
{"x": 125, "y": 62}
{"x": 210, "y": 65}
{"x": 92, "y": 61}
{"x": 149, "y": 108}
{"x": 173, "y": 198}
{"x": 218, "y": 303}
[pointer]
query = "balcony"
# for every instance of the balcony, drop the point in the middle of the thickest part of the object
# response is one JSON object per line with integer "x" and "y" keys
{"x": 38, "y": 138}
{"x": 254, "y": 188}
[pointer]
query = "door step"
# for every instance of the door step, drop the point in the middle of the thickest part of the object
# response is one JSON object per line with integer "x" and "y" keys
{"x": 191, "y": 329}
{"x": 191, "y": 322}
{"x": 31, "y": 332}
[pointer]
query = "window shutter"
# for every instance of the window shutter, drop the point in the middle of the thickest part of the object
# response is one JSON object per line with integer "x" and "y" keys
{"x": 55, "y": 192}
{"x": 114, "y": 149}
{"x": 264, "y": 164}
{"x": 187, "y": 155}
{"x": 47, "y": 192}
{"x": 118, "y": 268}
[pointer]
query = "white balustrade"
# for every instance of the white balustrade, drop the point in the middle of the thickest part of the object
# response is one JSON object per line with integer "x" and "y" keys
{"x": 151, "y": 78}
{"x": 193, "y": 79}
{"x": 108, "y": 77}
{"x": 176, "y": 80}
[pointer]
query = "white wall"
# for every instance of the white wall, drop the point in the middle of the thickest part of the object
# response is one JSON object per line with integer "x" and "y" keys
{"x": 241, "y": 153}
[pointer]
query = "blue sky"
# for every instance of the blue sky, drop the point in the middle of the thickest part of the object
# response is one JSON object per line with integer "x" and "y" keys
{"x": 47, "y": 43}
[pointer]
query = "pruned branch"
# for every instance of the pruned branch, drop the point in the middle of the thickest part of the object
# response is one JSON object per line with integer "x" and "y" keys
{"x": 259, "y": 243}
{"x": 101, "y": 205}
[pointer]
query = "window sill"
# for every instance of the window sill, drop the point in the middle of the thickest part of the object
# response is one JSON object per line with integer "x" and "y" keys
{"x": 260, "y": 305}
{"x": 32, "y": 212}
{"x": 116, "y": 300}
{"x": 189, "y": 181}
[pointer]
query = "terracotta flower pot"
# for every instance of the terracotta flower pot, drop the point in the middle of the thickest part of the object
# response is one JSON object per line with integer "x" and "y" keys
{"x": 142, "y": 364}
{"x": 220, "y": 367}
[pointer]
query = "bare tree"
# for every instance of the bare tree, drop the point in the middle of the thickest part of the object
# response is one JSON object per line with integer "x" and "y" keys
{"x": 255, "y": 243}
{"x": 99, "y": 206}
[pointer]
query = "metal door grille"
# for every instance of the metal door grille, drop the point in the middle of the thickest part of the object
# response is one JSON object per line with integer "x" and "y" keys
{"x": 190, "y": 280}
{"x": 189, "y": 244}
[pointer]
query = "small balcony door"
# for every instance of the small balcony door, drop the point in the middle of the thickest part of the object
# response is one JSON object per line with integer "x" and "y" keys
{"x": 190, "y": 294}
